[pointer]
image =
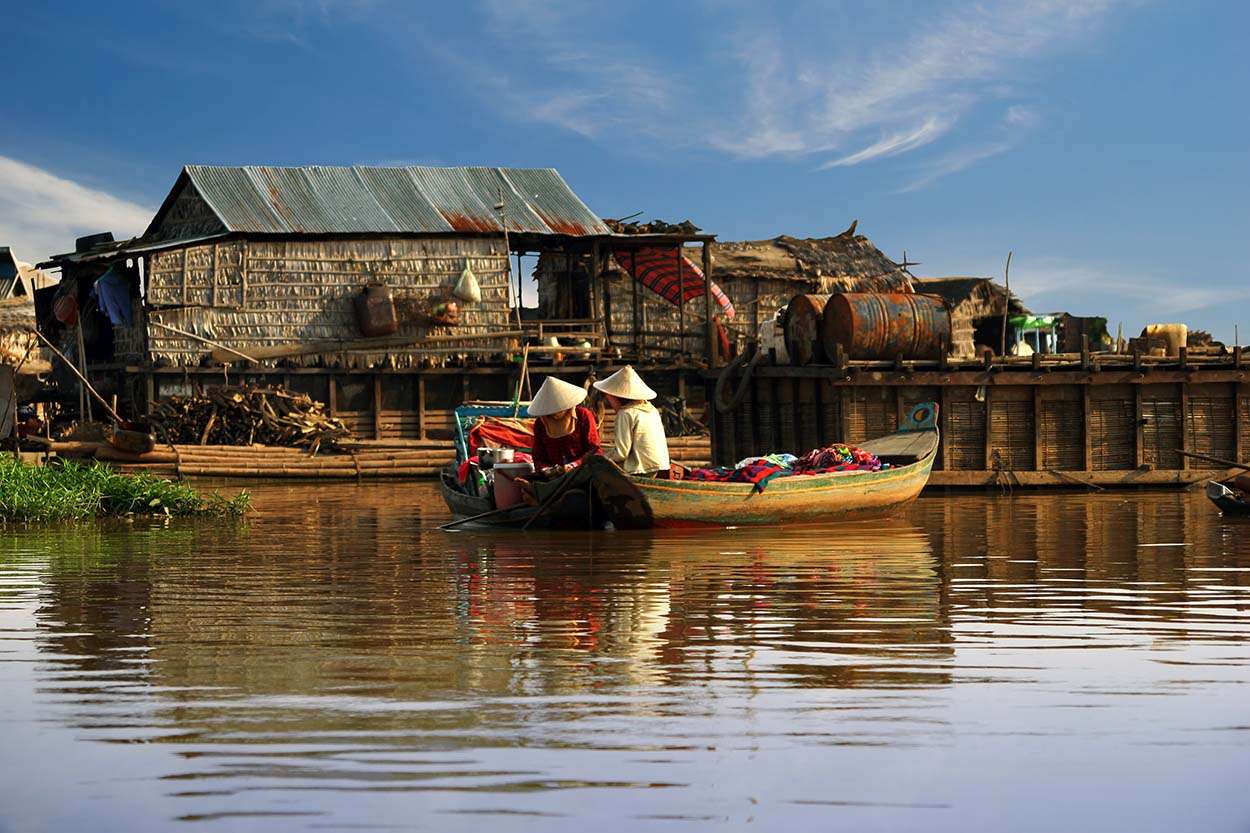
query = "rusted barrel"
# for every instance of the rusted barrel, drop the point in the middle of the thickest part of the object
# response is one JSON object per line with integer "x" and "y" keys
{"x": 881, "y": 326}
{"x": 804, "y": 315}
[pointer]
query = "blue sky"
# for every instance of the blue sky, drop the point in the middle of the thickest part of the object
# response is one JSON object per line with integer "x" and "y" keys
{"x": 1107, "y": 143}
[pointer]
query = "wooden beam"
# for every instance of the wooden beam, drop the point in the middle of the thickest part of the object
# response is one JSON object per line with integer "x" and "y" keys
{"x": 1067, "y": 479}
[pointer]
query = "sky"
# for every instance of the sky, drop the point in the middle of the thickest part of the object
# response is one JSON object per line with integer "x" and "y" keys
{"x": 1106, "y": 143}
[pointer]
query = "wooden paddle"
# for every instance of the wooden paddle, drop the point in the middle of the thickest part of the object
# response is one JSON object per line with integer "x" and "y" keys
{"x": 1226, "y": 463}
{"x": 476, "y": 517}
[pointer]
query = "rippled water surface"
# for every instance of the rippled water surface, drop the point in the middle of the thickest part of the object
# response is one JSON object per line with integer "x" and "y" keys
{"x": 1036, "y": 662}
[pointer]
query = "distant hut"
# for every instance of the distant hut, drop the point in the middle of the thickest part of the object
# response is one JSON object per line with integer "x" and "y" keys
{"x": 976, "y": 306}
{"x": 758, "y": 277}
{"x": 19, "y": 279}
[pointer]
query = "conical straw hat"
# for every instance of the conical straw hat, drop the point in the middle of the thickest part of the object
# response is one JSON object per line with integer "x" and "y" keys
{"x": 627, "y": 384}
{"x": 555, "y": 396}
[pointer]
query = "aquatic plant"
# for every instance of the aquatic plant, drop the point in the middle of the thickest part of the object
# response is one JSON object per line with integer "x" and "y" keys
{"x": 74, "y": 491}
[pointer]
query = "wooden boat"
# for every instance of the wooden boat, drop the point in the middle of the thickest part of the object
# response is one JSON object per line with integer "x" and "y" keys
{"x": 1230, "y": 503}
{"x": 807, "y": 499}
{"x": 612, "y": 496}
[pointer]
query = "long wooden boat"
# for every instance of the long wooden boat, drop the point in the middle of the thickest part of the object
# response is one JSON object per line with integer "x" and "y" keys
{"x": 1229, "y": 502}
{"x": 808, "y": 499}
{"x": 793, "y": 499}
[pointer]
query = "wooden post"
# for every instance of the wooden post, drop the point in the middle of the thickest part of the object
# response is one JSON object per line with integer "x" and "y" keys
{"x": 421, "y": 422}
{"x": 633, "y": 273}
{"x": 1039, "y": 450}
{"x": 332, "y": 395}
{"x": 377, "y": 406}
{"x": 1141, "y": 426}
{"x": 945, "y": 416}
{"x": 1084, "y": 351}
{"x": 149, "y": 390}
{"x": 1183, "y": 357}
{"x": 1087, "y": 455}
{"x": 989, "y": 424}
{"x": 707, "y": 306}
{"x": 1185, "y": 421}
{"x": 1237, "y": 357}
{"x": 681, "y": 308}
{"x": 844, "y": 414}
{"x": 592, "y": 281}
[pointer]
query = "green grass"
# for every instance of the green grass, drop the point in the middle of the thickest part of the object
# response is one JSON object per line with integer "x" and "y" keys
{"x": 75, "y": 491}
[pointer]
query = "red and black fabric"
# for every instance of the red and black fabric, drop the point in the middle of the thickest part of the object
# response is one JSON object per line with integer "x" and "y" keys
{"x": 656, "y": 269}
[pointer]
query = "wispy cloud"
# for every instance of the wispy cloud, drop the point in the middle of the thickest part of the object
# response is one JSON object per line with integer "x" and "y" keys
{"x": 932, "y": 128}
{"x": 1016, "y": 124}
{"x": 41, "y": 213}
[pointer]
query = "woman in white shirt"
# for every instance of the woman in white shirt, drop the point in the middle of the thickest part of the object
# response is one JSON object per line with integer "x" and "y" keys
{"x": 640, "y": 446}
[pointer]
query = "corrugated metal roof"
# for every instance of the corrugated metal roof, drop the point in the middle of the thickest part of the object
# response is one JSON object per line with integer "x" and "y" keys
{"x": 411, "y": 200}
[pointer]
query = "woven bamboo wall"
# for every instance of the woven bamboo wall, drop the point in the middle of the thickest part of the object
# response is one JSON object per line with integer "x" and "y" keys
{"x": 249, "y": 293}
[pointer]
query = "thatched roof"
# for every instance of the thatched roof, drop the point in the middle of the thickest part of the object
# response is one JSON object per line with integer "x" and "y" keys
{"x": 970, "y": 296}
{"x": 17, "y": 336}
{"x": 848, "y": 261}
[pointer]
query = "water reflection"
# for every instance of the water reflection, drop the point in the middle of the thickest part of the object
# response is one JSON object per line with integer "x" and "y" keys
{"x": 340, "y": 662}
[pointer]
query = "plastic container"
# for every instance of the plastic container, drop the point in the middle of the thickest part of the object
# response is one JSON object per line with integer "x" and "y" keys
{"x": 507, "y": 492}
{"x": 375, "y": 311}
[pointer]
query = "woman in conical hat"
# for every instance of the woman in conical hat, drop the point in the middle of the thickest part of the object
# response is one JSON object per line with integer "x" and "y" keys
{"x": 565, "y": 433}
{"x": 640, "y": 446}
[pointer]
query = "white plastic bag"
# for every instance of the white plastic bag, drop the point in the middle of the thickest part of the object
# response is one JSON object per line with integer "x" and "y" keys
{"x": 467, "y": 288}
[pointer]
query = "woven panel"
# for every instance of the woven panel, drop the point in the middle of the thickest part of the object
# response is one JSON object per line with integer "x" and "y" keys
{"x": 786, "y": 439}
{"x": 1011, "y": 430}
{"x": 830, "y": 413}
{"x": 1063, "y": 434}
{"x": 965, "y": 423}
{"x": 1161, "y": 433}
{"x": 1243, "y": 417}
{"x": 1210, "y": 427}
{"x": 871, "y": 413}
{"x": 807, "y": 415}
{"x": 1113, "y": 432}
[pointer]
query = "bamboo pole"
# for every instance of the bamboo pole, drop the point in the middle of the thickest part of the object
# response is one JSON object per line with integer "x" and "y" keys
{"x": 80, "y": 376}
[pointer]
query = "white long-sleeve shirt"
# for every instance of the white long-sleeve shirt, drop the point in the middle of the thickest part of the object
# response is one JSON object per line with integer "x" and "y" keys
{"x": 640, "y": 446}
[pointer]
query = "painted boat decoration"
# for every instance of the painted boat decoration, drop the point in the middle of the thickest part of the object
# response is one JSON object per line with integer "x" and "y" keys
{"x": 611, "y": 496}
{"x": 819, "y": 498}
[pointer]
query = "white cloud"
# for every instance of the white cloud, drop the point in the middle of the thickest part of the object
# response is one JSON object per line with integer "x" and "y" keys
{"x": 759, "y": 82}
{"x": 932, "y": 128}
{"x": 1017, "y": 122}
{"x": 41, "y": 213}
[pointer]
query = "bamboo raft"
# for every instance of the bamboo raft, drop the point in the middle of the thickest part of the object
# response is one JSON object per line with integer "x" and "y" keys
{"x": 360, "y": 460}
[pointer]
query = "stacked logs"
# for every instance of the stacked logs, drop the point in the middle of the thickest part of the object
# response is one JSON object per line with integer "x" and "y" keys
{"x": 245, "y": 415}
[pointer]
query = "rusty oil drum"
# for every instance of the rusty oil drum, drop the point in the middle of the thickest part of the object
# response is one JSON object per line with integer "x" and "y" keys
{"x": 882, "y": 326}
{"x": 804, "y": 317}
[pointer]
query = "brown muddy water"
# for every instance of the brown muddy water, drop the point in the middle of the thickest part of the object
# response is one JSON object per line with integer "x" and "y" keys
{"x": 1036, "y": 662}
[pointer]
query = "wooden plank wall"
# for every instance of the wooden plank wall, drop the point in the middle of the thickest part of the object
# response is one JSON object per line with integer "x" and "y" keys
{"x": 1048, "y": 427}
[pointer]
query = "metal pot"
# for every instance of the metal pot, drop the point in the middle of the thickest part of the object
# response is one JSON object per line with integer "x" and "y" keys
{"x": 489, "y": 457}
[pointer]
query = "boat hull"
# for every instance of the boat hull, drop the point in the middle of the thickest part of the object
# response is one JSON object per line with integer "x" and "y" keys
{"x": 798, "y": 499}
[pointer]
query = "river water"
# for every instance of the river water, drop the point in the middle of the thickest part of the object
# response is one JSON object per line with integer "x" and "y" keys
{"x": 1011, "y": 663}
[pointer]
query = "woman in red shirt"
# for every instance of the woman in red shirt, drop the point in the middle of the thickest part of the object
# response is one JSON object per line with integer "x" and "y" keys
{"x": 565, "y": 433}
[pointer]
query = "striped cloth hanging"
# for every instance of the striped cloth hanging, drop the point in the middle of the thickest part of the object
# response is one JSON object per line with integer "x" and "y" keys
{"x": 656, "y": 269}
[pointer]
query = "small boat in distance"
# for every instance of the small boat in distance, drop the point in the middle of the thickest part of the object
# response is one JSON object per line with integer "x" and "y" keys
{"x": 1230, "y": 503}
{"x": 612, "y": 496}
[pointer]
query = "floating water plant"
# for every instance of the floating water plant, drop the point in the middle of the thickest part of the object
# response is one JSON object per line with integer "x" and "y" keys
{"x": 75, "y": 491}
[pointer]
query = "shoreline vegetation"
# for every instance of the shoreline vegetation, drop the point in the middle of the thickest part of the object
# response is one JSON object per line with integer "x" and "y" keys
{"x": 78, "y": 491}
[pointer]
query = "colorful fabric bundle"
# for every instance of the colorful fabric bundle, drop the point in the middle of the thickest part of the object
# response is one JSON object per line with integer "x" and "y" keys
{"x": 837, "y": 458}
{"x": 656, "y": 268}
{"x": 760, "y": 471}
{"x": 757, "y": 473}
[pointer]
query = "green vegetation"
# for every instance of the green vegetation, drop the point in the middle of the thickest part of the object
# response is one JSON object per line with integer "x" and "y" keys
{"x": 74, "y": 491}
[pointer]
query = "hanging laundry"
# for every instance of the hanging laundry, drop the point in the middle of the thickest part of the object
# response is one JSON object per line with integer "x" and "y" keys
{"x": 112, "y": 291}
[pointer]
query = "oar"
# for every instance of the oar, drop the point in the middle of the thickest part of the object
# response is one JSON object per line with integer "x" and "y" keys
{"x": 1226, "y": 463}
{"x": 477, "y": 517}
{"x": 551, "y": 499}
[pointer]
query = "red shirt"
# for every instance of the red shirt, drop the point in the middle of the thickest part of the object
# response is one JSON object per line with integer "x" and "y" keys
{"x": 582, "y": 441}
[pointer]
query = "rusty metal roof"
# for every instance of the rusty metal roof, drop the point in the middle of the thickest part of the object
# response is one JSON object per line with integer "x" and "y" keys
{"x": 404, "y": 200}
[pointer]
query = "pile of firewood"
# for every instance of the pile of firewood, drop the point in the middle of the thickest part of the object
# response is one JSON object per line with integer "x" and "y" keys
{"x": 653, "y": 227}
{"x": 247, "y": 415}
